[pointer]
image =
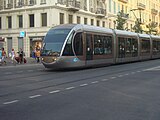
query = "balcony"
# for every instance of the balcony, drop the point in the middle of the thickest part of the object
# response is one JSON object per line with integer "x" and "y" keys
{"x": 71, "y": 5}
{"x": 61, "y": 2}
{"x": 9, "y": 6}
{"x": 124, "y": 1}
{"x": 31, "y": 3}
{"x": 154, "y": 11}
{"x": 101, "y": 12}
{"x": 141, "y": 6}
{"x": 19, "y": 4}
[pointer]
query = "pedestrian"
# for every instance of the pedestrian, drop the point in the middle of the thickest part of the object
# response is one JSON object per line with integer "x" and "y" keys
{"x": 3, "y": 56}
{"x": 38, "y": 54}
{"x": 34, "y": 54}
{"x": 21, "y": 54}
{"x": 0, "y": 55}
{"x": 13, "y": 55}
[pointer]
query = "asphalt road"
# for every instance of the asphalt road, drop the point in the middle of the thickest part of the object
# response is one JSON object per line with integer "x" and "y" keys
{"x": 119, "y": 92}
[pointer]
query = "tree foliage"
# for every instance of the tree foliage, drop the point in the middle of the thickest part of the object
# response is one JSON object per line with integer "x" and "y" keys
{"x": 152, "y": 28}
{"x": 121, "y": 20}
{"x": 137, "y": 27}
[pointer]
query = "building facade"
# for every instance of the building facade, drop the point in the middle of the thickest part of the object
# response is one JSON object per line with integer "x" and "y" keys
{"x": 24, "y": 23}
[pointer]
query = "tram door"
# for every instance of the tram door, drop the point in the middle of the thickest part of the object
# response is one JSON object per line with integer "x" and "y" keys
{"x": 89, "y": 47}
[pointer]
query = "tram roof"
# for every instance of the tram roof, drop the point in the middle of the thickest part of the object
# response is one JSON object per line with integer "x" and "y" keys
{"x": 64, "y": 26}
{"x": 155, "y": 36}
{"x": 97, "y": 29}
{"x": 126, "y": 33}
{"x": 143, "y": 35}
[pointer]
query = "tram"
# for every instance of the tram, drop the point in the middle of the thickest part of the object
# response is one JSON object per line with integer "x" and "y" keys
{"x": 77, "y": 45}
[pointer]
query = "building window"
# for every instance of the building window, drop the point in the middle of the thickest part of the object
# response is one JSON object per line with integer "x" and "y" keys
{"x": 78, "y": 20}
{"x": 114, "y": 7}
{"x": 44, "y": 19}
{"x": 110, "y": 5}
{"x": 43, "y": 2}
{"x": 98, "y": 22}
{"x": 20, "y": 21}
{"x": 85, "y": 20}
{"x": 32, "y": 2}
{"x": 103, "y": 24}
{"x": 92, "y": 21}
{"x": 9, "y": 21}
{"x": 70, "y": 19}
{"x": 0, "y": 23}
{"x": 109, "y": 24}
{"x": 31, "y": 20}
{"x": 61, "y": 17}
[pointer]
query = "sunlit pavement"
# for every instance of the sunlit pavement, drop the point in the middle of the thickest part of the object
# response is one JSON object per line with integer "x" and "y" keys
{"x": 30, "y": 61}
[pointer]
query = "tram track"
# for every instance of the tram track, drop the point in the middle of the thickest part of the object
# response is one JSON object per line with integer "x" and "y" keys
{"x": 110, "y": 73}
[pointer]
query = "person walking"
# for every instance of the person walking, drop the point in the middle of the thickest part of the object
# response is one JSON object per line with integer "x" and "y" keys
{"x": 0, "y": 55}
{"x": 3, "y": 56}
{"x": 21, "y": 56}
{"x": 38, "y": 54}
{"x": 13, "y": 55}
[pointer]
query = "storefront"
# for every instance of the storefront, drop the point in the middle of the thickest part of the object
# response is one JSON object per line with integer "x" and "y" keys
{"x": 35, "y": 43}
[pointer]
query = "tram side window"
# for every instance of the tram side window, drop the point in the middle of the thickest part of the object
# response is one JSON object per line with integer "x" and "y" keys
{"x": 156, "y": 47}
{"x": 134, "y": 47}
{"x": 145, "y": 46}
{"x": 78, "y": 44}
{"x": 121, "y": 47}
{"x": 107, "y": 44}
{"x": 98, "y": 45}
{"x": 128, "y": 47}
{"x": 68, "y": 48}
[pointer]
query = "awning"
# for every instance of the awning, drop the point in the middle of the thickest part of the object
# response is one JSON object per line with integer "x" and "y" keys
{"x": 37, "y": 39}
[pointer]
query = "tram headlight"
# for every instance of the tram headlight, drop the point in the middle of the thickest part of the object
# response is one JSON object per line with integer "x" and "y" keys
{"x": 54, "y": 59}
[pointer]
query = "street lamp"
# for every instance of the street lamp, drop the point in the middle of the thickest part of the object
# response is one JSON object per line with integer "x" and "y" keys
{"x": 138, "y": 26}
{"x": 140, "y": 15}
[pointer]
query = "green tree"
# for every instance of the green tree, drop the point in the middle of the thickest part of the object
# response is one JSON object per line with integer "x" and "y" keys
{"x": 121, "y": 20}
{"x": 152, "y": 28}
{"x": 137, "y": 27}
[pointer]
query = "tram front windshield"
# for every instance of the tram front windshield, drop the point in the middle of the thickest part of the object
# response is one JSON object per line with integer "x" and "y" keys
{"x": 53, "y": 41}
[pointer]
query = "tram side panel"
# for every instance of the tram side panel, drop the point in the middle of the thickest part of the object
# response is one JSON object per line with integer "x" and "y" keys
{"x": 127, "y": 48}
{"x": 145, "y": 48}
{"x": 155, "y": 48}
{"x": 99, "y": 49}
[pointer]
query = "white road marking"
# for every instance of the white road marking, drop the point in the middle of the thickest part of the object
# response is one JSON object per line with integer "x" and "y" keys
{"x": 154, "y": 68}
{"x": 120, "y": 75}
{"x": 94, "y": 82}
{"x": 112, "y": 77}
{"x": 8, "y": 73}
{"x": 34, "y": 96}
{"x": 132, "y": 72}
{"x": 69, "y": 88}
{"x": 138, "y": 71}
{"x": 82, "y": 85}
{"x": 19, "y": 71}
{"x": 126, "y": 74}
{"x": 30, "y": 70}
{"x": 39, "y": 69}
{"x": 10, "y": 102}
{"x": 104, "y": 79}
{"x": 55, "y": 91}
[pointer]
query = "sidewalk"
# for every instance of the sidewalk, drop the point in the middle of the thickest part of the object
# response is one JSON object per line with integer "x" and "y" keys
{"x": 29, "y": 61}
